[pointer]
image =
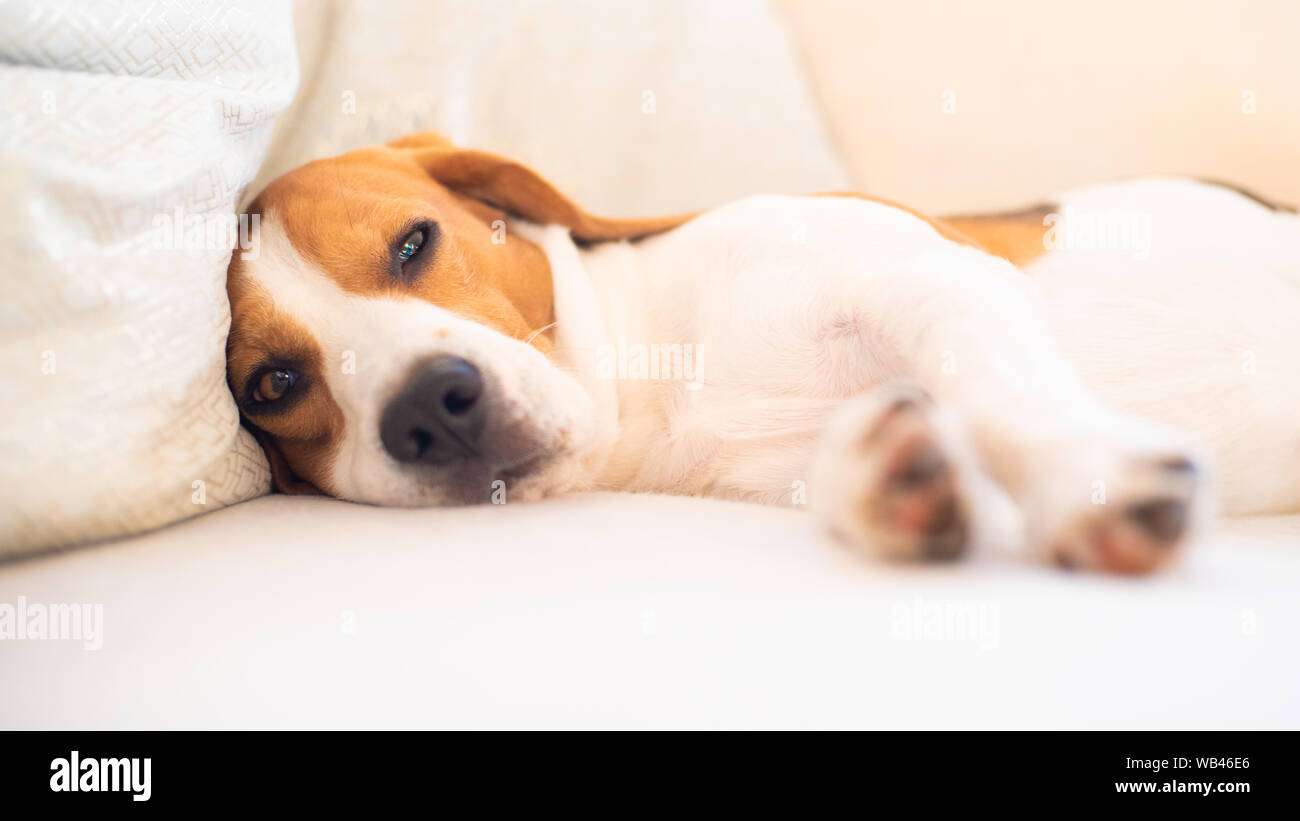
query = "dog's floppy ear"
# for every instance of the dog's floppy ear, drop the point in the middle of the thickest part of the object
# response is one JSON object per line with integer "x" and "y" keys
{"x": 282, "y": 475}
{"x": 513, "y": 187}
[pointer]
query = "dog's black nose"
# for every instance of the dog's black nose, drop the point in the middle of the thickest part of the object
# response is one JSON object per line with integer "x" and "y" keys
{"x": 437, "y": 416}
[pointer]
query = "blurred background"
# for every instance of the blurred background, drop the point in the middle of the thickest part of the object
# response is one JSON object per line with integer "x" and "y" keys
{"x": 946, "y": 106}
{"x": 1049, "y": 96}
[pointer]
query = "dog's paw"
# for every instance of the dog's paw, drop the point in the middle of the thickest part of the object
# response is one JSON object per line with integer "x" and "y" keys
{"x": 893, "y": 475}
{"x": 1126, "y": 500}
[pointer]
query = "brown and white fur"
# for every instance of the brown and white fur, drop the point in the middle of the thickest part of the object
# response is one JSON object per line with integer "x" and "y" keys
{"x": 895, "y": 372}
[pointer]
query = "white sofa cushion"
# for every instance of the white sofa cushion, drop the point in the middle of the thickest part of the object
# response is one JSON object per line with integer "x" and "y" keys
{"x": 632, "y": 107}
{"x": 123, "y": 122}
{"x": 608, "y": 610}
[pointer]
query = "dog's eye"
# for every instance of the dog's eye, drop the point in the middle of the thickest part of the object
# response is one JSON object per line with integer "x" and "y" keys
{"x": 412, "y": 252}
{"x": 411, "y": 245}
{"x": 273, "y": 385}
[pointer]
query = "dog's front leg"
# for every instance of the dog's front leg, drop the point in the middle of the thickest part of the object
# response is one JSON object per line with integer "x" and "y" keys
{"x": 895, "y": 474}
{"x": 1097, "y": 489}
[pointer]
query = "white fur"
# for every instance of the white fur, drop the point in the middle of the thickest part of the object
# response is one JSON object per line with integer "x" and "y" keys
{"x": 1064, "y": 377}
{"x": 803, "y": 302}
{"x": 1203, "y": 335}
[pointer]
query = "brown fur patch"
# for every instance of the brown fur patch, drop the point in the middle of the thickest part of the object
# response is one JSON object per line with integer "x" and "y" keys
{"x": 514, "y": 187}
{"x": 345, "y": 215}
{"x": 302, "y": 439}
{"x": 1016, "y": 236}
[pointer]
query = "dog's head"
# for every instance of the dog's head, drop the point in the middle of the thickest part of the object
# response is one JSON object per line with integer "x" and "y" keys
{"x": 391, "y": 338}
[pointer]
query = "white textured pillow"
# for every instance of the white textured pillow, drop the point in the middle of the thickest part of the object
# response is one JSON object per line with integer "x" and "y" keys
{"x": 121, "y": 121}
{"x": 631, "y": 107}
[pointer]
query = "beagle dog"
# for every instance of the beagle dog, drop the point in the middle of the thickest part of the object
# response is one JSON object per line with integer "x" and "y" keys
{"x": 430, "y": 325}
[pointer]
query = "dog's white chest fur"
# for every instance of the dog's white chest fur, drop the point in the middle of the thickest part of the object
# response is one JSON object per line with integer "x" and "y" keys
{"x": 767, "y": 300}
{"x": 792, "y": 305}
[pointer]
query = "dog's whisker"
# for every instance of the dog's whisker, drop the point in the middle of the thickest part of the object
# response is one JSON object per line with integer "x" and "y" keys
{"x": 539, "y": 332}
